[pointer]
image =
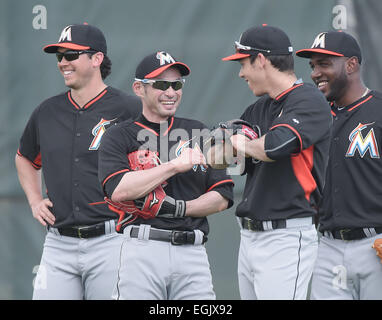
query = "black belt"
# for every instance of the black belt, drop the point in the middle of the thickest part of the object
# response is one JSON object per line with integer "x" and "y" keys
{"x": 173, "y": 236}
{"x": 353, "y": 234}
{"x": 258, "y": 225}
{"x": 83, "y": 232}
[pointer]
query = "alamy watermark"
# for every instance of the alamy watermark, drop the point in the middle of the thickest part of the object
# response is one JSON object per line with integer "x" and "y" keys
{"x": 340, "y": 279}
{"x": 340, "y": 17}
{"x": 40, "y": 280}
{"x": 180, "y": 139}
{"x": 40, "y": 17}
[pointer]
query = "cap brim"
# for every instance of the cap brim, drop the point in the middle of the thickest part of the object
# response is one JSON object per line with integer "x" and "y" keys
{"x": 236, "y": 56}
{"x": 52, "y": 48}
{"x": 183, "y": 69}
{"x": 307, "y": 53}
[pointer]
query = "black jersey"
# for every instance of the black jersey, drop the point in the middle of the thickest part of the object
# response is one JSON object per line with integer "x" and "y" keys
{"x": 290, "y": 187}
{"x": 168, "y": 139}
{"x": 63, "y": 139}
{"x": 353, "y": 189}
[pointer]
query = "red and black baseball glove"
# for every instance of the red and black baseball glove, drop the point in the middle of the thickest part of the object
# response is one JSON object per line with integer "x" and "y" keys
{"x": 155, "y": 203}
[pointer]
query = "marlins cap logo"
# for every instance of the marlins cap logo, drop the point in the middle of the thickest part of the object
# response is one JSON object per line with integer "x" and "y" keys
{"x": 66, "y": 34}
{"x": 240, "y": 38}
{"x": 319, "y": 41}
{"x": 164, "y": 57}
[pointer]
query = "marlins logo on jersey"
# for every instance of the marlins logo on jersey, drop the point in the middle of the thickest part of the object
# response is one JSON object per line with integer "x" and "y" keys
{"x": 187, "y": 144}
{"x": 358, "y": 142}
{"x": 98, "y": 131}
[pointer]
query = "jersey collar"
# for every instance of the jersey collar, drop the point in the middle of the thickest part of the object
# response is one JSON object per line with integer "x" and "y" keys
{"x": 153, "y": 127}
{"x": 285, "y": 93}
{"x": 353, "y": 106}
{"x": 89, "y": 103}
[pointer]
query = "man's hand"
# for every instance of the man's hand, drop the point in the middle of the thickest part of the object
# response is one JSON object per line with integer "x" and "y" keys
{"x": 239, "y": 143}
{"x": 42, "y": 213}
{"x": 377, "y": 245}
{"x": 221, "y": 155}
{"x": 188, "y": 158}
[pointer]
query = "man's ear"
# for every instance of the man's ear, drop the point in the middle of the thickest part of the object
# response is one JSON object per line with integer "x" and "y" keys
{"x": 138, "y": 88}
{"x": 352, "y": 65}
{"x": 261, "y": 60}
{"x": 97, "y": 59}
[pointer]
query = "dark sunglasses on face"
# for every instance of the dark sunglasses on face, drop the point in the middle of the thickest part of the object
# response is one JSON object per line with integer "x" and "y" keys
{"x": 163, "y": 84}
{"x": 71, "y": 55}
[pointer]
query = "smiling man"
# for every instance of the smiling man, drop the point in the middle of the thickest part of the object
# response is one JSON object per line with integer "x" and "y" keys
{"x": 154, "y": 173}
{"x": 285, "y": 169}
{"x": 350, "y": 214}
{"x": 62, "y": 137}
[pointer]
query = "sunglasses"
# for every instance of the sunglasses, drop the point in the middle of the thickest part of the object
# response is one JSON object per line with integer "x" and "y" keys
{"x": 239, "y": 46}
{"x": 71, "y": 55}
{"x": 163, "y": 84}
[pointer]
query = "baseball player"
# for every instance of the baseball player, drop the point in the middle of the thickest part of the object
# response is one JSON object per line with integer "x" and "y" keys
{"x": 62, "y": 137}
{"x": 163, "y": 257}
{"x": 285, "y": 169}
{"x": 350, "y": 214}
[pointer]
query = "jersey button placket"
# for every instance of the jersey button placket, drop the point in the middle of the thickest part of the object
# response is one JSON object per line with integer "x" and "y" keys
{"x": 76, "y": 160}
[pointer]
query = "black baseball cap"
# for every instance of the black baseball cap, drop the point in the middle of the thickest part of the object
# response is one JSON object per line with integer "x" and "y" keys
{"x": 265, "y": 39}
{"x": 79, "y": 37}
{"x": 154, "y": 64}
{"x": 334, "y": 43}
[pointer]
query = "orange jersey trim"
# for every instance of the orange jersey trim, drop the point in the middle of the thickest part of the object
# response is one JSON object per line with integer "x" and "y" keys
{"x": 152, "y": 130}
{"x": 114, "y": 174}
{"x": 36, "y": 163}
{"x": 352, "y": 108}
{"x": 293, "y": 129}
{"x": 97, "y": 203}
{"x": 362, "y": 102}
{"x": 302, "y": 166}
{"x": 219, "y": 183}
{"x": 147, "y": 128}
{"x": 87, "y": 105}
{"x": 288, "y": 90}
{"x": 169, "y": 127}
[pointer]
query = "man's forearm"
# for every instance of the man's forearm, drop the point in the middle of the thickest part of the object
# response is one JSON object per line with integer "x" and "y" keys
{"x": 250, "y": 148}
{"x": 208, "y": 203}
{"x": 136, "y": 184}
{"x": 30, "y": 179}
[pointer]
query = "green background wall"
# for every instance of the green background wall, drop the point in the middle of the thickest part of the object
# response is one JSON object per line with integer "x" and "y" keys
{"x": 200, "y": 33}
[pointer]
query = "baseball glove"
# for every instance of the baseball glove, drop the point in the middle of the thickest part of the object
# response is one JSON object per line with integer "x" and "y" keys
{"x": 222, "y": 155}
{"x": 232, "y": 127}
{"x": 154, "y": 203}
{"x": 378, "y": 247}
{"x": 143, "y": 160}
